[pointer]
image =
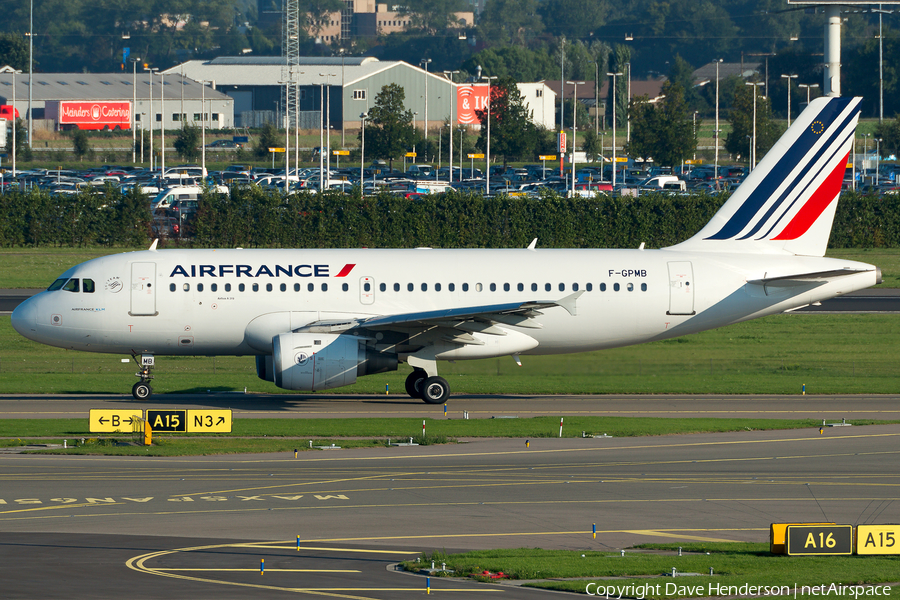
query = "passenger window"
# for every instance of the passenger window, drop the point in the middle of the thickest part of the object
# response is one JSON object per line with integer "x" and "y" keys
{"x": 88, "y": 286}
{"x": 396, "y": 287}
{"x": 437, "y": 287}
{"x": 643, "y": 287}
{"x": 602, "y": 287}
{"x": 71, "y": 285}
{"x": 424, "y": 287}
{"x": 186, "y": 287}
{"x": 505, "y": 287}
{"x": 367, "y": 287}
{"x": 227, "y": 287}
{"x": 547, "y": 287}
{"x": 478, "y": 287}
{"x": 382, "y": 287}
{"x": 345, "y": 287}
{"x": 451, "y": 287}
{"x": 57, "y": 285}
{"x": 410, "y": 287}
{"x": 310, "y": 287}
{"x": 520, "y": 287}
{"x": 283, "y": 287}
{"x": 241, "y": 287}
{"x": 562, "y": 287}
{"x": 324, "y": 287}
{"x": 616, "y": 287}
{"x": 199, "y": 287}
{"x": 630, "y": 287}
{"x": 494, "y": 287}
{"x": 465, "y": 287}
{"x": 255, "y": 287}
{"x": 171, "y": 287}
{"x": 268, "y": 287}
{"x": 296, "y": 287}
{"x": 533, "y": 287}
{"x": 589, "y": 287}
{"x": 214, "y": 287}
{"x": 574, "y": 287}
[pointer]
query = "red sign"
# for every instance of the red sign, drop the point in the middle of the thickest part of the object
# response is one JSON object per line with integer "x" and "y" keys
{"x": 470, "y": 98}
{"x": 562, "y": 142}
{"x": 98, "y": 114}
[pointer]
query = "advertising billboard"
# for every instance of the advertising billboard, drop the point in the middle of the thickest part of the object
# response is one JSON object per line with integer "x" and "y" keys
{"x": 90, "y": 114}
{"x": 470, "y": 98}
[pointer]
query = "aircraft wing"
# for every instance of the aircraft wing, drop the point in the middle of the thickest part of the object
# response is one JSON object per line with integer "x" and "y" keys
{"x": 480, "y": 319}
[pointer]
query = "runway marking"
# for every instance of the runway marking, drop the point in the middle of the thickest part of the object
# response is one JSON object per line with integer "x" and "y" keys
{"x": 138, "y": 564}
{"x": 677, "y": 536}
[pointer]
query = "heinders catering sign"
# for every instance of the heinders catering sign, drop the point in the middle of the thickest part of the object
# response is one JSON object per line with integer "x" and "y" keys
{"x": 96, "y": 114}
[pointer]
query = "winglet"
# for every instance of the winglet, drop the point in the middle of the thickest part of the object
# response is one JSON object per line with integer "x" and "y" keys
{"x": 533, "y": 244}
{"x": 153, "y": 245}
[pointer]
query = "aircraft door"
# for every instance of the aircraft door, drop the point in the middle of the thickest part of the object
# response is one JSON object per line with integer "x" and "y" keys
{"x": 681, "y": 288}
{"x": 366, "y": 290}
{"x": 143, "y": 289}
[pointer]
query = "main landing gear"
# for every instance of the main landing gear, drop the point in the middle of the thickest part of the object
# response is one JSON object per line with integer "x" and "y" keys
{"x": 142, "y": 390}
{"x": 433, "y": 390}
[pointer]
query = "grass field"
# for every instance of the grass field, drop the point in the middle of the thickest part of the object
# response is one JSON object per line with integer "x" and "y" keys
{"x": 829, "y": 354}
{"x": 734, "y": 564}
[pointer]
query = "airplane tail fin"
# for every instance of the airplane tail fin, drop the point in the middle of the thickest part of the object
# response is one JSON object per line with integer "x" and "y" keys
{"x": 787, "y": 203}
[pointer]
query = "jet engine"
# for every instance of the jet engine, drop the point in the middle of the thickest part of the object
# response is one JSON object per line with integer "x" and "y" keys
{"x": 320, "y": 361}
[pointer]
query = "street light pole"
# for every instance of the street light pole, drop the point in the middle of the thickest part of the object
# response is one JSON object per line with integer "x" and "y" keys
{"x": 426, "y": 61}
{"x": 716, "y": 133}
{"x": 753, "y": 138}
{"x": 789, "y": 77}
{"x": 162, "y": 124}
{"x": 15, "y": 124}
{"x": 134, "y": 62}
{"x": 150, "y": 70}
{"x": 574, "y": 85}
{"x": 808, "y": 87}
{"x": 362, "y": 152}
{"x": 203, "y": 127}
{"x": 449, "y": 75}
{"x": 487, "y": 174}
{"x": 614, "y": 75}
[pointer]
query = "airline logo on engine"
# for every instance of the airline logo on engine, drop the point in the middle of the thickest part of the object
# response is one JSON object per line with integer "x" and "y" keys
{"x": 302, "y": 358}
{"x": 259, "y": 270}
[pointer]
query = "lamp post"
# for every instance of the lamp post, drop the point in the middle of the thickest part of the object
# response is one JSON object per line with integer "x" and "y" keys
{"x": 449, "y": 75}
{"x": 321, "y": 138}
{"x": 627, "y": 101}
{"x": 487, "y": 174}
{"x": 14, "y": 123}
{"x": 877, "y": 158}
{"x": 203, "y": 127}
{"x": 150, "y": 70}
{"x": 574, "y": 85}
{"x": 718, "y": 61}
{"x": 753, "y": 137}
{"x": 597, "y": 101}
{"x": 162, "y": 125}
{"x": 362, "y": 151}
{"x": 425, "y": 62}
{"x": 808, "y": 87}
{"x": 789, "y": 77}
{"x": 614, "y": 75}
{"x": 134, "y": 62}
{"x": 30, "y": 72}
{"x": 327, "y": 123}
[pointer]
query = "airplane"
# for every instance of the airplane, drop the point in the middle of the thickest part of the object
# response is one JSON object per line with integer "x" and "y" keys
{"x": 318, "y": 319}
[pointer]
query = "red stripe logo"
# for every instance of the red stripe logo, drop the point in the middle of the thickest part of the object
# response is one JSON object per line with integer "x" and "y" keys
{"x": 346, "y": 270}
{"x": 816, "y": 204}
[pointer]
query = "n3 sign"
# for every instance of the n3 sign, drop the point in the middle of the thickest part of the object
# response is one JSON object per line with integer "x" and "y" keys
{"x": 209, "y": 421}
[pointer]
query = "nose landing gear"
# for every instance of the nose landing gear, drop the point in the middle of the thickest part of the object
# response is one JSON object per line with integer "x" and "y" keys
{"x": 142, "y": 390}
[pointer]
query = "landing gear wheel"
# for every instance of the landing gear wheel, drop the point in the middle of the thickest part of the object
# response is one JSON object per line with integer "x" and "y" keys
{"x": 141, "y": 390}
{"x": 414, "y": 383}
{"x": 435, "y": 390}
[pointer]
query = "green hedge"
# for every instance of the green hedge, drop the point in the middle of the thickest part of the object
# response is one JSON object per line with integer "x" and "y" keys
{"x": 255, "y": 218}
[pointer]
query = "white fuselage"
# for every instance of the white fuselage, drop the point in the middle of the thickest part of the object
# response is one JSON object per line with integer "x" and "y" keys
{"x": 230, "y": 302}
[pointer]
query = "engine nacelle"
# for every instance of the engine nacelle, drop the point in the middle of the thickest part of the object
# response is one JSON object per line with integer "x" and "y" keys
{"x": 320, "y": 361}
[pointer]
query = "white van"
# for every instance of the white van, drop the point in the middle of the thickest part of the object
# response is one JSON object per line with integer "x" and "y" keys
{"x": 164, "y": 199}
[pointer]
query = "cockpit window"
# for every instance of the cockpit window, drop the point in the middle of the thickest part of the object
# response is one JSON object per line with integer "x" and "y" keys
{"x": 71, "y": 285}
{"x": 56, "y": 284}
{"x": 87, "y": 286}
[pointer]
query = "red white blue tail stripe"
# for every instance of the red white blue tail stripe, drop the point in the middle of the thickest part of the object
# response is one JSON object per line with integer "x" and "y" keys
{"x": 783, "y": 203}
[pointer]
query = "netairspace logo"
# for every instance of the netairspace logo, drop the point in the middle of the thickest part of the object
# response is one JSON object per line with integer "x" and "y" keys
{"x": 646, "y": 590}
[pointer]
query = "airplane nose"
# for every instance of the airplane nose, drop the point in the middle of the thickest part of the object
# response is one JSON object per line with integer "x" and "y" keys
{"x": 23, "y": 318}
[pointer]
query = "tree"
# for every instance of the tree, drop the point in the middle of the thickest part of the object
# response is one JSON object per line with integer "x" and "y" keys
{"x": 389, "y": 129}
{"x": 432, "y": 16}
{"x": 663, "y": 131}
{"x": 187, "y": 142}
{"x": 510, "y": 22}
{"x": 13, "y": 51}
{"x": 889, "y": 134}
{"x": 268, "y": 138}
{"x": 574, "y": 18}
{"x": 591, "y": 144}
{"x": 318, "y": 13}
{"x": 617, "y": 61}
{"x": 80, "y": 145}
{"x": 513, "y": 134}
{"x": 767, "y": 131}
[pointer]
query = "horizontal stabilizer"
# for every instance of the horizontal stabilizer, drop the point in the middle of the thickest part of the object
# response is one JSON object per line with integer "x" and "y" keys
{"x": 806, "y": 278}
